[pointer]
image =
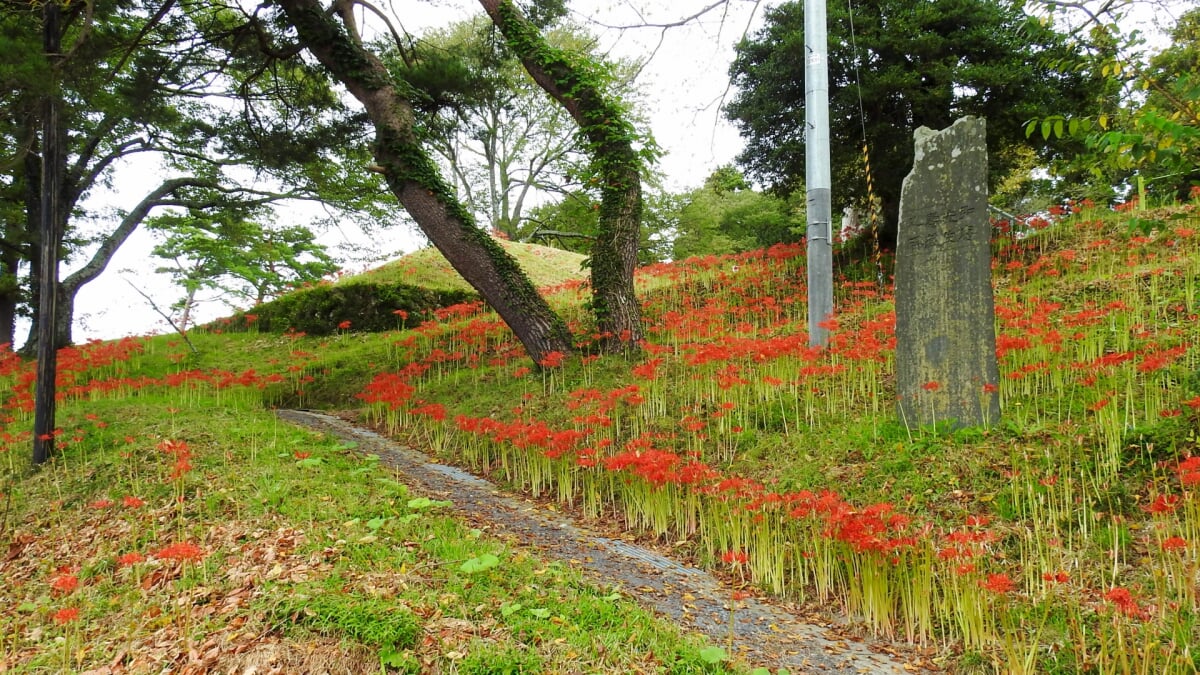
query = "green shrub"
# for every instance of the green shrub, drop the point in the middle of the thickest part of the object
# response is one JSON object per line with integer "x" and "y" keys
{"x": 368, "y": 307}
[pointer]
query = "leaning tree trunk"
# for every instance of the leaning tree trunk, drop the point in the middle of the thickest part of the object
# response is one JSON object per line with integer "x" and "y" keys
{"x": 414, "y": 179}
{"x": 610, "y": 138}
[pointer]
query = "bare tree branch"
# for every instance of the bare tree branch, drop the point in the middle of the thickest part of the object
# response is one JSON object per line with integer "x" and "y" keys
{"x": 672, "y": 24}
{"x": 154, "y": 306}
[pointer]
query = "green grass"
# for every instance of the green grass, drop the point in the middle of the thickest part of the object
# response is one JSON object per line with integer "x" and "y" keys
{"x": 1064, "y": 483}
{"x": 303, "y": 541}
{"x": 427, "y": 267}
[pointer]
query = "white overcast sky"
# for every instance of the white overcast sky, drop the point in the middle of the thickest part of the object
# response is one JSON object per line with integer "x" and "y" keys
{"x": 684, "y": 83}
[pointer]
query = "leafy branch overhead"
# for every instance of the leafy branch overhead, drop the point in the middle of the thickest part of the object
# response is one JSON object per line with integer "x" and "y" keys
{"x": 1153, "y": 126}
{"x": 181, "y": 92}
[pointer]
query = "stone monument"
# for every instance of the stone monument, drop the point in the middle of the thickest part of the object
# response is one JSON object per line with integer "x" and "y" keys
{"x": 946, "y": 368}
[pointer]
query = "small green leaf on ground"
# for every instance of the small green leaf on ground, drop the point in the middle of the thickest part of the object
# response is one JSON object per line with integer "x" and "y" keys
{"x": 480, "y": 563}
{"x": 713, "y": 654}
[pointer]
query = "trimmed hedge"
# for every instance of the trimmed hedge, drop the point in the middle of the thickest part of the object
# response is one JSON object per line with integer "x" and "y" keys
{"x": 369, "y": 307}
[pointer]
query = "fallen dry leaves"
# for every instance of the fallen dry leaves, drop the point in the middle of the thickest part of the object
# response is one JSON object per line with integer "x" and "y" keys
{"x": 139, "y": 618}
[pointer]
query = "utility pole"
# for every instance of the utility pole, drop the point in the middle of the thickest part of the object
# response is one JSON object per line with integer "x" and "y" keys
{"x": 817, "y": 176}
{"x": 47, "y": 354}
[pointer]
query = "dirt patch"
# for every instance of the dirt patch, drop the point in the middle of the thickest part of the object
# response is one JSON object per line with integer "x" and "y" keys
{"x": 321, "y": 656}
{"x": 764, "y": 633}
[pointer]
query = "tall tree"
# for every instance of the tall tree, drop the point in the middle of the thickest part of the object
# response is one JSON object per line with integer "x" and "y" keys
{"x": 726, "y": 216}
{"x": 238, "y": 252}
{"x": 158, "y": 80}
{"x": 619, "y": 155}
{"x": 413, "y": 177}
{"x": 488, "y": 121}
{"x": 918, "y": 65}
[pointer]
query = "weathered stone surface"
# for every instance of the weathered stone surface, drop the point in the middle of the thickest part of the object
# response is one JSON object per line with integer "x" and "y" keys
{"x": 945, "y": 316}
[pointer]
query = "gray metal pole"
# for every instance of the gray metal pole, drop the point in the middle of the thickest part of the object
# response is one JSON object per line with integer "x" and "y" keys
{"x": 817, "y": 178}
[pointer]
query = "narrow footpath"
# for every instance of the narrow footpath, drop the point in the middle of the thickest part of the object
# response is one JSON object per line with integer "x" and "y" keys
{"x": 764, "y": 634}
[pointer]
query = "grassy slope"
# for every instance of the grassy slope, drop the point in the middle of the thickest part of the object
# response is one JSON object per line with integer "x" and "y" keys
{"x": 427, "y": 267}
{"x": 1093, "y": 428}
{"x": 183, "y": 527}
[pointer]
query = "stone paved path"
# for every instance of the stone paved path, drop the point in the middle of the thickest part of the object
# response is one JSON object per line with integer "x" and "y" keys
{"x": 765, "y": 634}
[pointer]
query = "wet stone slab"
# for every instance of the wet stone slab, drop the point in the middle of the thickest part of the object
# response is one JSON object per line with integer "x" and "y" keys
{"x": 946, "y": 369}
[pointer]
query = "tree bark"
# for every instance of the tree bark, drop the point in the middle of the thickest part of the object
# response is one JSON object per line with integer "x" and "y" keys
{"x": 610, "y": 139}
{"x": 10, "y": 293}
{"x": 414, "y": 179}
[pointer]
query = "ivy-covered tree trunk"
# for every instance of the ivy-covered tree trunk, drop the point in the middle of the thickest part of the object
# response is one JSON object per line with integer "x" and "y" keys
{"x": 414, "y": 179}
{"x": 610, "y": 136}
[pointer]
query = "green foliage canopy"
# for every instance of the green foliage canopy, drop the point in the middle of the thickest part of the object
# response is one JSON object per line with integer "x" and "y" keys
{"x": 238, "y": 252}
{"x": 918, "y": 65}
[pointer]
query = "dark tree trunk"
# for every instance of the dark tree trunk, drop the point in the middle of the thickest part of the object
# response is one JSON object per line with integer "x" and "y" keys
{"x": 610, "y": 139}
{"x": 33, "y": 218}
{"x": 10, "y": 293}
{"x": 414, "y": 179}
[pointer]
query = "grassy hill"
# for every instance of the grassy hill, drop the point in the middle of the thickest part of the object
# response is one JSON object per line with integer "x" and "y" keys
{"x": 427, "y": 267}
{"x": 1063, "y": 539}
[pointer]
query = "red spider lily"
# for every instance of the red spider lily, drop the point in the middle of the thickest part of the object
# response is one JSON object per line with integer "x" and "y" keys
{"x": 931, "y": 386}
{"x": 735, "y": 557}
{"x": 727, "y": 377}
{"x": 100, "y": 504}
{"x": 390, "y": 388}
{"x": 1189, "y": 470}
{"x": 65, "y": 615}
{"x": 1193, "y": 403}
{"x": 552, "y": 359}
{"x": 1163, "y": 504}
{"x": 299, "y": 454}
{"x": 1056, "y": 577}
{"x": 462, "y": 310}
{"x": 434, "y": 411}
{"x": 953, "y": 553}
{"x": 998, "y": 583}
{"x": 174, "y": 447}
{"x": 182, "y": 551}
{"x": 1123, "y": 599}
{"x": 1174, "y": 544}
{"x": 64, "y": 583}
{"x": 128, "y": 559}
{"x": 647, "y": 370}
